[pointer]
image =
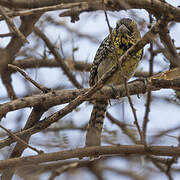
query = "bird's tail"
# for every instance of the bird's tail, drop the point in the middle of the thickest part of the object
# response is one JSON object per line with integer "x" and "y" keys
{"x": 94, "y": 129}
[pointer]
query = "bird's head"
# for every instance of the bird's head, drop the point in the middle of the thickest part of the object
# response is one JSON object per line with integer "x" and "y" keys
{"x": 127, "y": 26}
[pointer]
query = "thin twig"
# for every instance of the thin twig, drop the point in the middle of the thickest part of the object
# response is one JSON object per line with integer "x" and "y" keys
{"x": 59, "y": 60}
{"x": 170, "y": 49}
{"x": 33, "y": 118}
{"x": 6, "y": 35}
{"x": 62, "y": 169}
{"x": 148, "y": 101}
{"x": 42, "y": 88}
{"x": 20, "y": 140}
{"x": 128, "y": 172}
{"x": 162, "y": 169}
{"x": 41, "y": 10}
{"x": 123, "y": 127}
{"x": 133, "y": 110}
{"x": 12, "y": 26}
{"x": 6, "y": 79}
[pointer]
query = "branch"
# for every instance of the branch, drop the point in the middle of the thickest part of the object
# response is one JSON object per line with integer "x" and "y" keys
{"x": 58, "y": 58}
{"x": 51, "y": 99}
{"x": 49, "y": 63}
{"x": 123, "y": 126}
{"x": 6, "y": 79}
{"x": 6, "y": 35}
{"x": 40, "y": 9}
{"x": 170, "y": 49}
{"x": 64, "y": 96}
{"x": 73, "y": 65}
{"x": 19, "y": 147}
{"x": 20, "y": 140}
{"x": 28, "y": 4}
{"x": 26, "y": 28}
{"x": 91, "y": 151}
{"x": 129, "y": 173}
{"x": 42, "y": 88}
{"x": 12, "y": 26}
{"x": 62, "y": 169}
{"x": 148, "y": 100}
{"x": 155, "y": 7}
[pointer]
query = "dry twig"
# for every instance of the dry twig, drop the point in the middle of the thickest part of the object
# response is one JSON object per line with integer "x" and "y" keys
{"x": 42, "y": 88}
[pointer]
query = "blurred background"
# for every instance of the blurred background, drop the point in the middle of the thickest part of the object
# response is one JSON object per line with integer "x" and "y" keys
{"x": 78, "y": 42}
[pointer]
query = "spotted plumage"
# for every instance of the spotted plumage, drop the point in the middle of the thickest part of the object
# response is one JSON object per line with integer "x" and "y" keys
{"x": 124, "y": 35}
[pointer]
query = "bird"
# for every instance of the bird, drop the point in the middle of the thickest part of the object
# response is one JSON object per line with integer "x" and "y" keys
{"x": 123, "y": 36}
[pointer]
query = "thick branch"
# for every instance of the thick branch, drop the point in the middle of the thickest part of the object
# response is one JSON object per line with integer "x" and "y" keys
{"x": 64, "y": 96}
{"x": 91, "y": 151}
{"x": 156, "y": 7}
